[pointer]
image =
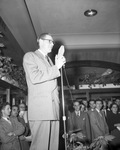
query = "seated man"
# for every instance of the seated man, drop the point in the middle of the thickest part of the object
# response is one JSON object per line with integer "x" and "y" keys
{"x": 78, "y": 121}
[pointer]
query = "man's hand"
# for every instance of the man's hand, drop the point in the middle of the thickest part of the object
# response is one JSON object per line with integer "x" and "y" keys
{"x": 59, "y": 61}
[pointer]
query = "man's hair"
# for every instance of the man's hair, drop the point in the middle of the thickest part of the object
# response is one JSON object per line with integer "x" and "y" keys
{"x": 43, "y": 35}
{"x": 99, "y": 100}
{"x": 14, "y": 106}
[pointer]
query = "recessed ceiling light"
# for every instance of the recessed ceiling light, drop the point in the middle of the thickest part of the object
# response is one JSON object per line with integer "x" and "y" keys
{"x": 90, "y": 13}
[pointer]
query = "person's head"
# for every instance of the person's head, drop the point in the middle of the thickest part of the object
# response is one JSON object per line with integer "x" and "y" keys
{"x": 109, "y": 103}
{"x": 5, "y": 110}
{"x": 22, "y": 107}
{"x": 14, "y": 111}
{"x": 82, "y": 107}
{"x": 85, "y": 102}
{"x": 104, "y": 104}
{"x": 98, "y": 104}
{"x": 92, "y": 104}
{"x": 117, "y": 101}
{"x": 76, "y": 105}
{"x": 114, "y": 108}
{"x": 45, "y": 42}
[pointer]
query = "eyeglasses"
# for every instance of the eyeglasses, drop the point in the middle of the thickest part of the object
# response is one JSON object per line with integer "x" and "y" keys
{"x": 50, "y": 41}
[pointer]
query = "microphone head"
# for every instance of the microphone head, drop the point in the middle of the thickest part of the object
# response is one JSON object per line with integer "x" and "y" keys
{"x": 61, "y": 51}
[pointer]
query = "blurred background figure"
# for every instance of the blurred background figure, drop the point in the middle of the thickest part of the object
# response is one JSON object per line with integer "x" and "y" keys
{"x": 85, "y": 102}
{"x": 83, "y": 107}
{"x": 14, "y": 111}
{"x": 91, "y": 104}
{"x": 113, "y": 121}
{"x": 22, "y": 117}
{"x": 117, "y": 101}
{"x": 109, "y": 103}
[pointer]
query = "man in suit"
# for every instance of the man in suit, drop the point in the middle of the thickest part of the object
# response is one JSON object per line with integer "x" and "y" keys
{"x": 43, "y": 101}
{"x": 78, "y": 120}
{"x": 98, "y": 122}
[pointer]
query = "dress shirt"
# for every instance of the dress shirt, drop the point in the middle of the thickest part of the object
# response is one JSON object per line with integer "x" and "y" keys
{"x": 77, "y": 113}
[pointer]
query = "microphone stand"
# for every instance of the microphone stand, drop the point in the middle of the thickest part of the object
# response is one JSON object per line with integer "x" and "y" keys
{"x": 63, "y": 109}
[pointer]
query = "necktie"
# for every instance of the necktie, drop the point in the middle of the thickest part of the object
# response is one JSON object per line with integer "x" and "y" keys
{"x": 48, "y": 59}
{"x": 100, "y": 113}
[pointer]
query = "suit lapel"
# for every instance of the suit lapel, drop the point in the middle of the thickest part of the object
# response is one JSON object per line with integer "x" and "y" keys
{"x": 43, "y": 58}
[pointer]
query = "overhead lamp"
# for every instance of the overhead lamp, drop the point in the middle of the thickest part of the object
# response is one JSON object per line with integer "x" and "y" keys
{"x": 90, "y": 12}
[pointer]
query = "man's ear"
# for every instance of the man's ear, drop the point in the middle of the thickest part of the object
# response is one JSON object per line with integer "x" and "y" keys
{"x": 38, "y": 39}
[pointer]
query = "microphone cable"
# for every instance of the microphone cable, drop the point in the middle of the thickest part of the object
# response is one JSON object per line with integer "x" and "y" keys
{"x": 68, "y": 85}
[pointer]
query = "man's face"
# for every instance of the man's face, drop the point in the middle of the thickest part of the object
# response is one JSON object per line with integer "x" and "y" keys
{"x": 76, "y": 106}
{"x": 117, "y": 101}
{"x": 114, "y": 108}
{"x": 99, "y": 105}
{"x": 14, "y": 111}
{"x": 47, "y": 44}
{"x": 85, "y": 102}
{"x": 21, "y": 107}
{"x": 92, "y": 104}
{"x": 6, "y": 111}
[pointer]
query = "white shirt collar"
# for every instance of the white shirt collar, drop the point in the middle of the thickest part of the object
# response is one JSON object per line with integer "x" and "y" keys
{"x": 42, "y": 52}
{"x": 97, "y": 110}
{"x": 7, "y": 119}
{"x": 77, "y": 112}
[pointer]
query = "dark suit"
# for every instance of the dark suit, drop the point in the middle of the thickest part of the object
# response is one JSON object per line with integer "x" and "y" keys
{"x": 98, "y": 124}
{"x": 43, "y": 101}
{"x": 10, "y": 142}
{"x": 79, "y": 122}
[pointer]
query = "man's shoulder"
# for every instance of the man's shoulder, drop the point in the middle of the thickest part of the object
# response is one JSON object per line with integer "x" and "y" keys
{"x": 93, "y": 113}
{"x": 29, "y": 53}
{"x": 29, "y": 56}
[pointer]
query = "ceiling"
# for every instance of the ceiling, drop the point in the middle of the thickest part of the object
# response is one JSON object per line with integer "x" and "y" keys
{"x": 87, "y": 40}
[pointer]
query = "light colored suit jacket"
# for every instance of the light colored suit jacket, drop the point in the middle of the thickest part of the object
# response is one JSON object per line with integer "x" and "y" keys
{"x": 43, "y": 101}
{"x": 10, "y": 142}
{"x": 98, "y": 124}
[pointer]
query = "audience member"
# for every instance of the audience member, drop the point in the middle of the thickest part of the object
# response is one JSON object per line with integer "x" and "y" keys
{"x": 85, "y": 102}
{"x": 109, "y": 103}
{"x": 91, "y": 105}
{"x": 113, "y": 121}
{"x": 83, "y": 107}
{"x": 79, "y": 121}
{"x": 117, "y": 101}
{"x": 98, "y": 122}
{"x": 22, "y": 117}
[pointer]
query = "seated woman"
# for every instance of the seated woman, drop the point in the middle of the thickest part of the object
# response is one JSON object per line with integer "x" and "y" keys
{"x": 10, "y": 129}
{"x": 113, "y": 121}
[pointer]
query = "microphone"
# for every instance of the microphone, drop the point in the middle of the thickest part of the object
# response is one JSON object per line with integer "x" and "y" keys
{"x": 61, "y": 51}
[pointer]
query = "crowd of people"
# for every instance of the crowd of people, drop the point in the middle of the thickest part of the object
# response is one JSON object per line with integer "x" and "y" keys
{"x": 14, "y": 127}
{"x": 95, "y": 118}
